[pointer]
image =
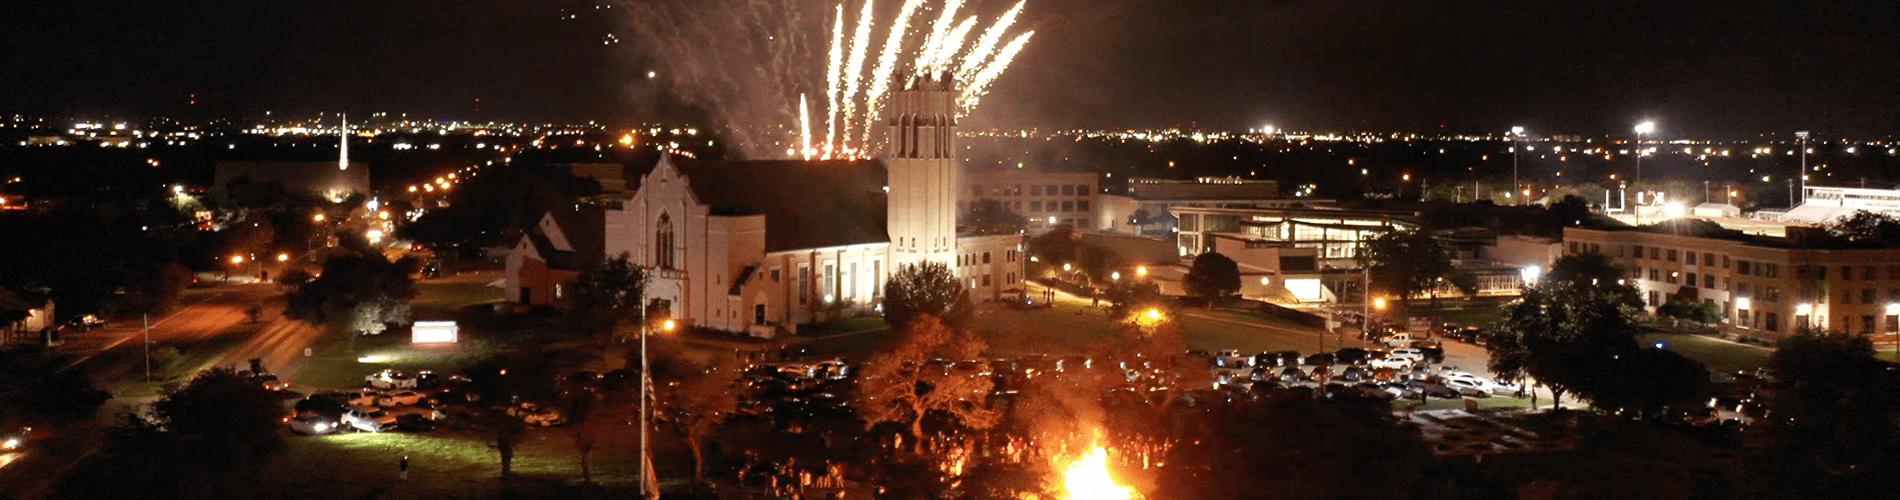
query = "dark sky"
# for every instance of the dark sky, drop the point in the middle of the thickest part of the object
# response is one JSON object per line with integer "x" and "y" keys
{"x": 1726, "y": 69}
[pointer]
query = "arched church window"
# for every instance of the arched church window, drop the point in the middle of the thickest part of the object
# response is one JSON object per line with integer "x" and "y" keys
{"x": 663, "y": 243}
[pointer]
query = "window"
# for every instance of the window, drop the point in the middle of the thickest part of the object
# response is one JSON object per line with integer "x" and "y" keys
{"x": 1741, "y": 267}
{"x": 1690, "y": 279}
{"x": 1655, "y": 253}
{"x": 1725, "y": 262}
{"x": 1655, "y": 298}
{"x": 758, "y": 314}
{"x": 1774, "y": 322}
{"x": 1893, "y": 322}
{"x": 1035, "y": 206}
{"x": 804, "y": 285}
{"x": 1847, "y": 273}
{"x": 559, "y": 291}
{"x": 1068, "y": 206}
{"x": 877, "y": 278}
{"x": 1636, "y": 251}
{"x": 831, "y": 282}
{"x": 1652, "y": 274}
{"x": 1769, "y": 269}
{"x": 1068, "y": 190}
{"x": 986, "y": 281}
{"x": 986, "y": 257}
{"x": 663, "y": 243}
{"x": 1708, "y": 259}
{"x": 1708, "y": 281}
{"x": 775, "y": 276}
{"x": 1082, "y": 206}
{"x": 1672, "y": 255}
{"x": 1867, "y": 323}
{"x": 1742, "y": 318}
{"x": 852, "y": 278}
{"x": 1049, "y": 190}
{"x": 1868, "y": 273}
{"x": 1866, "y": 295}
{"x": 1035, "y": 190}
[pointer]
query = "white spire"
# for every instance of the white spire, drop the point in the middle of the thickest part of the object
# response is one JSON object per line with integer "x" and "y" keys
{"x": 343, "y": 136}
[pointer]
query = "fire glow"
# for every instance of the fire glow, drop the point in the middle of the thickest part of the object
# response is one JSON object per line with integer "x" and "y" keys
{"x": 1088, "y": 479}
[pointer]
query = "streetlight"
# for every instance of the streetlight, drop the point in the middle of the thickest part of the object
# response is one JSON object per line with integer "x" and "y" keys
{"x": 1516, "y": 133}
{"x": 1642, "y": 128}
{"x": 283, "y": 257}
{"x": 317, "y": 218}
{"x": 1141, "y": 271}
{"x": 1802, "y": 137}
{"x": 237, "y": 259}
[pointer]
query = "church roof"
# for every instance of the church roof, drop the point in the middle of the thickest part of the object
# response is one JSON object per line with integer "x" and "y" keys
{"x": 807, "y": 204}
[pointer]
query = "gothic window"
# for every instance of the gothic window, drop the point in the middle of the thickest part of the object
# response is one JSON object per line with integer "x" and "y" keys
{"x": 663, "y": 243}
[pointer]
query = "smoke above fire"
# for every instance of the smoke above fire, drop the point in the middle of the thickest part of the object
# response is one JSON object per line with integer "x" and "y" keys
{"x": 809, "y": 79}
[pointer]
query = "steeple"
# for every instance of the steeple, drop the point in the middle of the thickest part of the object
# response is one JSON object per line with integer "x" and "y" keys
{"x": 343, "y": 135}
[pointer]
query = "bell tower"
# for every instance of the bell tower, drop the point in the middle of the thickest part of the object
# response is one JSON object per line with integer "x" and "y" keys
{"x": 920, "y": 154}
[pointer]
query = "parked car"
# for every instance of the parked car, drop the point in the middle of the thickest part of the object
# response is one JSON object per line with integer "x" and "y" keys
{"x": 1413, "y": 354}
{"x": 1475, "y": 387}
{"x": 368, "y": 420}
{"x": 1321, "y": 359}
{"x": 1351, "y": 356}
{"x": 85, "y": 322}
{"x": 399, "y": 398}
{"x": 1230, "y": 358}
{"x": 1355, "y": 374}
{"x": 413, "y": 422}
{"x": 313, "y": 424}
{"x": 390, "y": 379}
{"x": 427, "y": 379}
{"x": 1399, "y": 339}
{"x": 1394, "y": 363}
{"x": 363, "y": 397}
{"x": 1320, "y": 373}
{"x": 1434, "y": 351}
{"x": 1292, "y": 374}
{"x": 270, "y": 381}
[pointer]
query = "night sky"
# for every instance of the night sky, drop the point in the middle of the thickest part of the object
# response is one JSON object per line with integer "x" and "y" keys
{"x": 1730, "y": 69}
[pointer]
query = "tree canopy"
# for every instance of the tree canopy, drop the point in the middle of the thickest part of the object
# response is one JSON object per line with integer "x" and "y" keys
{"x": 37, "y": 392}
{"x": 903, "y": 386}
{"x": 1830, "y": 429}
{"x": 605, "y": 294}
{"x": 1407, "y": 263}
{"x": 1563, "y": 333}
{"x": 1212, "y": 276}
{"x": 924, "y": 289}
{"x": 360, "y": 293}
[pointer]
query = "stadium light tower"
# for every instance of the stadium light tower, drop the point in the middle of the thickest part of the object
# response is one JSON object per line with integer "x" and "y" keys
{"x": 1516, "y": 133}
{"x": 1642, "y": 128}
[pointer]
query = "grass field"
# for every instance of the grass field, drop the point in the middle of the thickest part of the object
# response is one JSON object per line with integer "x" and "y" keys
{"x": 1719, "y": 356}
{"x": 447, "y": 464}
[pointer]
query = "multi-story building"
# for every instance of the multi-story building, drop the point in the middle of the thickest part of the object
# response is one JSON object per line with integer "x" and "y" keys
{"x": 1765, "y": 286}
{"x": 1144, "y": 210}
{"x": 1047, "y": 199}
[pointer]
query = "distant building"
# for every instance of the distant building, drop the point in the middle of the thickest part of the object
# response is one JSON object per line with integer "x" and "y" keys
{"x": 1822, "y": 205}
{"x": 24, "y": 315}
{"x": 544, "y": 262}
{"x": 1046, "y": 199}
{"x": 1765, "y": 286}
{"x": 1146, "y": 208}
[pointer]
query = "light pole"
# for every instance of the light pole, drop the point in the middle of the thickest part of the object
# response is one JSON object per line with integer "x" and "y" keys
{"x": 1641, "y": 128}
{"x": 646, "y": 392}
{"x": 1801, "y": 137}
{"x": 1516, "y": 133}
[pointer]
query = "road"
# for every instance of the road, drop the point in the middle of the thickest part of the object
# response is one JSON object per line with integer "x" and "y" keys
{"x": 212, "y": 328}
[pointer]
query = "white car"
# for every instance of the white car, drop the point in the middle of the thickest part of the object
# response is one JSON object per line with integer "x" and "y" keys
{"x": 1415, "y": 355}
{"x": 1232, "y": 358}
{"x": 1463, "y": 381}
{"x": 313, "y": 424}
{"x": 399, "y": 398}
{"x": 368, "y": 420}
{"x": 1394, "y": 363}
{"x": 390, "y": 379}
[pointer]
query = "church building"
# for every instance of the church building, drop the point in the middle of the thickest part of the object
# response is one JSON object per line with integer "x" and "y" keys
{"x": 762, "y": 246}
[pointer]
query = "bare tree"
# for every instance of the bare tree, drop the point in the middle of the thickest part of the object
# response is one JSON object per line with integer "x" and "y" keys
{"x": 903, "y": 385}
{"x": 697, "y": 401}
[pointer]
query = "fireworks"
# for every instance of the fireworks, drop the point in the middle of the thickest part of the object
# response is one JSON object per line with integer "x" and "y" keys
{"x": 854, "y": 99}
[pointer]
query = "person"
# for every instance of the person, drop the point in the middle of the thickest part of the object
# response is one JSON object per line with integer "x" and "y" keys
{"x": 403, "y": 468}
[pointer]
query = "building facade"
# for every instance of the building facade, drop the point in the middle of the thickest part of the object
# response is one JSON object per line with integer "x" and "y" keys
{"x": 1764, "y": 286}
{"x": 1046, "y": 199}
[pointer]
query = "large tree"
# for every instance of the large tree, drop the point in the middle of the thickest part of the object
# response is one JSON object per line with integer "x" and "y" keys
{"x": 212, "y": 438}
{"x": 1830, "y": 429}
{"x": 607, "y": 294}
{"x": 696, "y": 398}
{"x": 36, "y": 391}
{"x": 1408, "y": 263}
{"x": 1212, "y": 276}
{"x": 903, "y": 385}
{"x": 359, "y": 293}
{"x": 924, "y": 289}
{"x": 1564, "y": 333}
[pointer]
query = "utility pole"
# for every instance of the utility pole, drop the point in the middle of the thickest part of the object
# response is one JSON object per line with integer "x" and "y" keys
{"x": 147, "y": 320}
{"x": 1516, "y": 132}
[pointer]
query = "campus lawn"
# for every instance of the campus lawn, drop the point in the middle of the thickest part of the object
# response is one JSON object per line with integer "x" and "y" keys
{"x": 1719, "y": 356}
{"x": 456, "y": 464}
{"x": 441, "y": 298}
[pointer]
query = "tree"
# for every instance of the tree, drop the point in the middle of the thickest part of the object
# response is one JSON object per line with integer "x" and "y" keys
{"x": 1563, "y": 333}
{"x": 225, "y": 426}
{"x": 992, "y": 217}
{"x": 1699, "y": 312}
{"x": 1647, "y": 382}
{"x": 1865, "y": 228}
{"x": 902, "y": 385}
{"x": 696, "y": 399}
{"x": 606, "y": 294}
{"x": 1829, "y": 432}
{"x": 35, "y": 391}
{"x": 1130, "y": 294}
{"x": 1407, "y": 263}
{"x": 1212, "y": 276}
{"x": 360, "y": 293}
{"x": 924, "y": 289}
{"x": 500, "y": 381}
{"x": 1054, "y": 247}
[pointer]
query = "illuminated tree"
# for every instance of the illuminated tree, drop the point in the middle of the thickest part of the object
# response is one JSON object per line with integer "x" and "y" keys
{"x": 1564, "y": 334}
{"x": 924, "y": 289}
{"x": 903, "y": 386}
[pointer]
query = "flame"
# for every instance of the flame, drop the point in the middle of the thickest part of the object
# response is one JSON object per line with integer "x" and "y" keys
{"x": 1088, "y": 479}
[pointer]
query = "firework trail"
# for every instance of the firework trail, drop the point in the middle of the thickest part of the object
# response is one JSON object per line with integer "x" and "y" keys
{"x": 950, "y": 46}
{"x": 804, "y": 127}
{"x": 946, "y": 21}
{"x": 887, "y": 62}
{"x": 835, "y": 93}
{"x": 853, "y": 72}
{"x": 979, "y": 86}
{"x": 986, "y": 45}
